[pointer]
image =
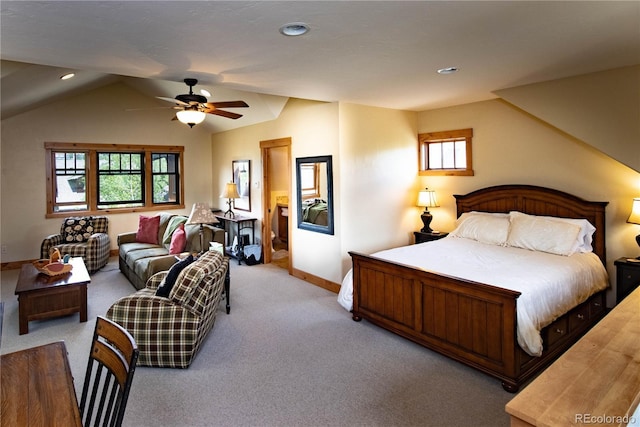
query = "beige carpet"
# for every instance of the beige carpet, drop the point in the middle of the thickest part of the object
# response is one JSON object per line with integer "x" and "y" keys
{"x": 287, "y": 355}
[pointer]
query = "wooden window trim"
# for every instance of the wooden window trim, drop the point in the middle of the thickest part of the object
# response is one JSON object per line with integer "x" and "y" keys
{"x": 91, "y": 171}
{"x": 450, "y": 135}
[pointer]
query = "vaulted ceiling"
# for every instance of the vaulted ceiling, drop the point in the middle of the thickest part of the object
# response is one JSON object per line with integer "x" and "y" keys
{"x": 379, "y": 53}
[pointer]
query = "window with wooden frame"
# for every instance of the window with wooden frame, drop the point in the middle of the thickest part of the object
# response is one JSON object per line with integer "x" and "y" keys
{"x": 445, "y": 153}
{"x": 100, "y": 178}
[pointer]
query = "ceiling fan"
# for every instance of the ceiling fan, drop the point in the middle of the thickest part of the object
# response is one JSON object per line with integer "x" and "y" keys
{"x": 193, "y": 108}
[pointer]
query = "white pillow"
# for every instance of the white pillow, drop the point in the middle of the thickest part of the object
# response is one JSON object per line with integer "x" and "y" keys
{"x": 585, "y": 237}
{"x": 544, "y": 234}
{"x": 485, "y": 227}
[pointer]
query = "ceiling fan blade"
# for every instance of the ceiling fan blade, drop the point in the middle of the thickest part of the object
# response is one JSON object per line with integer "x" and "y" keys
{"x": 149, "y": 108}
{"x": 227, "y": 104}
{"x": 227, "y": 114}
{"x": 173, "y": 100}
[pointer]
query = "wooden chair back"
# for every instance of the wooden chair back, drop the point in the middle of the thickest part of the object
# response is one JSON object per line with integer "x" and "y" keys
{"x": 110, "y": 370}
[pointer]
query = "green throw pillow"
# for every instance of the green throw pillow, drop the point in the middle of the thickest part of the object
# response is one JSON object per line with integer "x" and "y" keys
{"x": 174, "y": 222}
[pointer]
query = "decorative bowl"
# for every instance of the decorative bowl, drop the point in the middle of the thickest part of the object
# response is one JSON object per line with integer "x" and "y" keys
{"x": 52, "y": 268}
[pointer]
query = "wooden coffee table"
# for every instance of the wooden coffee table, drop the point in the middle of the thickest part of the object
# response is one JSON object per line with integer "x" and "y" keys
{"x": 43, "y": 297}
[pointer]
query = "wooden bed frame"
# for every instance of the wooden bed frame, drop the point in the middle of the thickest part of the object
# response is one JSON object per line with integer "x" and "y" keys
{"x": 472, "y": 322}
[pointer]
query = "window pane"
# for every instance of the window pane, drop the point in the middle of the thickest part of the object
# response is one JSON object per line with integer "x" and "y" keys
{"x": 164, "y": 189}
{"x": 165, "y": 178}
{"x": 103, "y": 161}
{"x": 70, "y": 176}
{"x": 70, "y": 208}
{"x": 70, "y": 188}
{"x": 120, "y": 188}
{"x": 435, "y": 156}
{"x": 308, "y": 179}
{"x": 461, "y": 155}
{"x": 159, "y": 163}
{"x": 125, "y": 161}
{"x": 448, "y": 156}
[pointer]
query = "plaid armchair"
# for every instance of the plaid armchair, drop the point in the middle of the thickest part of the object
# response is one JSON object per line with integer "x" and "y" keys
{"x": 169, "y": 331}
{"x": 84, "y": 237}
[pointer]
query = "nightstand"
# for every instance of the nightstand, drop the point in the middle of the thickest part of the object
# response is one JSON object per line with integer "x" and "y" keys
{"x": 428, "y": 237}
{"x": 627, "y": 277}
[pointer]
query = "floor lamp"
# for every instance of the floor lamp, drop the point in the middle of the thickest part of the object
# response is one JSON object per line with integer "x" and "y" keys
{"x": 201, "y": 214}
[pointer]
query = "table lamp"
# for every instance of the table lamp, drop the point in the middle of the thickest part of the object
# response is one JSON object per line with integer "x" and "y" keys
{"x": 230, "y": 192}
{"x": 427, "y": 199}
{"x": 201, "y": 214}
{"x": 634, "y": 218}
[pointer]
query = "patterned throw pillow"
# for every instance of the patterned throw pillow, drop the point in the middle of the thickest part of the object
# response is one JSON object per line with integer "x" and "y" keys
{"x": 77, "y": 230}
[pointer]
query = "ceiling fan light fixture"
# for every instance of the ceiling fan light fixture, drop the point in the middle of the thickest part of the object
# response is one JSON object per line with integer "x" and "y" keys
{"x": 205, "y": 93}
{"x": 294, "y": 29}
{"x": 191, "y": 117}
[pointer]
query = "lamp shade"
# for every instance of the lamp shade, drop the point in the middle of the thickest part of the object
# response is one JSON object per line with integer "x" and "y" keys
{"x": 427, "y": 198}
{"x": 190, "y": 117}
{"x": 634, "y": 218}
{"x": 230, "y": 191}
{"x": 201, "y": 214}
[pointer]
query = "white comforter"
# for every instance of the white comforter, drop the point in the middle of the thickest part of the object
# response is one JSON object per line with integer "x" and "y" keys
{"x": 550, "y": 285}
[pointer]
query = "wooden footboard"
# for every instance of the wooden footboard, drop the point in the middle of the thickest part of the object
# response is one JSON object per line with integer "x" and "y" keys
{"x": 471, "y": 322}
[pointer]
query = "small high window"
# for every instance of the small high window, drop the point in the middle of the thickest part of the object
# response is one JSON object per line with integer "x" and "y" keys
{"x": 445, "y": 153}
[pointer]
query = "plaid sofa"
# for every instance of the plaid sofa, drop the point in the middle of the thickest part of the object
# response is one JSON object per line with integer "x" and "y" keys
{"x": 169, "y": 331}
{"x": 83, "y": 236}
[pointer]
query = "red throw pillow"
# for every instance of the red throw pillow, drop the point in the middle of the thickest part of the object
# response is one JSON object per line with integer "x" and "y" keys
{"x": 178, "y": 240}
{"x": 148, "y": 227}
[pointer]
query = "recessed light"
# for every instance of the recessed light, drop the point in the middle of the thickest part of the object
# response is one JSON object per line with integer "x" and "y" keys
{"x": 67, "y": 76}
{"x": 205, "y": 92}
{"x": 448, "y": 70}
{"x": 294, "y": 29}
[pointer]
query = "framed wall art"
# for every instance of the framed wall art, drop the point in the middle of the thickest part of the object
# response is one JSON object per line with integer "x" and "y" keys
{"x": 242, "y": 178}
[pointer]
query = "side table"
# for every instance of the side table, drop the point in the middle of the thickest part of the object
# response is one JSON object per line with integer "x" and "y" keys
{"x": 240, "y": 223}
{"x": 627, "y": 277}
{"x": 428, "y": 237}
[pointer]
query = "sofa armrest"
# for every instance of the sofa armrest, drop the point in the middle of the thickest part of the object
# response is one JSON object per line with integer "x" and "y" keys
{"x": 159, "y": 264}
{"x": 48, "y": 243}
{"x": 154, "y": 281}
{"x": 129, "y": 237}
{"x": 98, "y": 251}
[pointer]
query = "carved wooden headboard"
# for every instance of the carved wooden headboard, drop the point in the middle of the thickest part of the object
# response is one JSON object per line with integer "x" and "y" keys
{"x": 535, "y": 200}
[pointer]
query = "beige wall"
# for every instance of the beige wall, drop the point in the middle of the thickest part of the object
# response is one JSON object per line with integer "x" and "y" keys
{"x": 378, "y": 177}
{"x": 98, "y": 116}
{"x": 602, "y": 109}
{"x": 313, "y": 129}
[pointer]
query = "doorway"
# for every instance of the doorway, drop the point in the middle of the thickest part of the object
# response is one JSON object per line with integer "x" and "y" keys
{"x": 276, "y": 199}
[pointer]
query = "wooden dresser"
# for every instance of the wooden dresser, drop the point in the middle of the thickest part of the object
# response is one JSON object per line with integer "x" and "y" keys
{"x": 597, "y": 381}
